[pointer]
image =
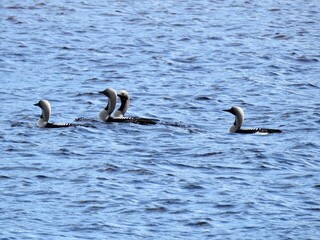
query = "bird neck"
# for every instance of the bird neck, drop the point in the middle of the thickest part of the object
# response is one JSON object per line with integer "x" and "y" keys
{"x": 238, "y": 120}
{"x": 125, "y": 103}
{"x": 106, "y": 112}
{"x": 237, "y": 123}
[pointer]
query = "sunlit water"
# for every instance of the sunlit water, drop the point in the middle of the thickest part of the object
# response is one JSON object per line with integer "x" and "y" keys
{"x": 182, "y": 62}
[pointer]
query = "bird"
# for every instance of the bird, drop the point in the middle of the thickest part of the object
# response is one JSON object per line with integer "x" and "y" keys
{"x": 106, "y": 114}
{"x": 125, "y": 103}
{"x": 239, "y": 119}
{"x": 43, "y": 121}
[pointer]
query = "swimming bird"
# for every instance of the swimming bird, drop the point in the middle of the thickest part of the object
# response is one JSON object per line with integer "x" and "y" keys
{"x": 125, "y": 103}
{"x": 239, "y": 119}
{"x": 105, "y": 114}
{"x": 43, "y": 121}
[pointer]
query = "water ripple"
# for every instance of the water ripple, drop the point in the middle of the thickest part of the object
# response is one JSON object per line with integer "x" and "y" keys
{"x": 183, "y": 63}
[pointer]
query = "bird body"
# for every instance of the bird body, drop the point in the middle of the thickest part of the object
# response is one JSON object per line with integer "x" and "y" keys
{"x": 118, "y": 116}
{"x": 125, "y": 103}
{"x": 43, "y": 121}
{"x": 239, "y": 119}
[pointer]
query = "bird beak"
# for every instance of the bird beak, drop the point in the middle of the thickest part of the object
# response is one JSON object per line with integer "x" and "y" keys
{"x": 101, "y": 92}
{"x": 36, "y": 104}
{"x": 227, "y": 110}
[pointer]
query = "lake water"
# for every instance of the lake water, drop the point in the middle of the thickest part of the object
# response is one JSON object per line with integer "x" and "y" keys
{"x": 182, "y": 62}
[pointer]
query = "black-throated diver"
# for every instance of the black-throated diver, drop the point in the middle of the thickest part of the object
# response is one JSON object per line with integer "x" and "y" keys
{"x": 105, "y": 114}
{"x": 239, "y": 119}
{"x": 125, "y": 103}
{"x": 43, "y": 121}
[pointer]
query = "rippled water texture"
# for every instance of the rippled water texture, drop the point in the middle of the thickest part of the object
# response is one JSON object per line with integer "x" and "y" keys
{"x": 182, "y": 62}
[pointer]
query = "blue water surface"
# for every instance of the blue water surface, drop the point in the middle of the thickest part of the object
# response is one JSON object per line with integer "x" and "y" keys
{"x": 182, "y": 62}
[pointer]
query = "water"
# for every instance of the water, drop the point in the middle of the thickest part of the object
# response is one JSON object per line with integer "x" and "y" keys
{"x": 182, "y": 62}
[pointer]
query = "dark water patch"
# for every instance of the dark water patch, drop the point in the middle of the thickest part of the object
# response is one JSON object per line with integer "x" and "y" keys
{"x": 207, "y": 154}
{"x": 93, "y": 201}
{"x": 160, "y": 209}
{"x": 305, "y": 59}
{"x": 16, "y": 6}
{"x": 84, "y": 119}
{"x": 14, "y": 20}
{"x": 189, "y": 128}
{"x": 298, "y": 176}
{"x": 3, "y": 177}
{"x": 232, "y": 178}
{"x": 23, "y": 124}
{"x": 42, "y": 177}
{"x": 109, "y": 168}
{"x": 281, "y": 36}
{"x": 274, "y": 9}
{"x": 182, "y": 165}
{"x": 67, "y": 152}
{"x": 315, "y": 209}
{"x": 94, "y": 209}
{"x": 215, "y": 38}
{"x": 234, "y": 44}
{"x": 88, "y": 94}
{"x": 200, "y": 223}
{"x": 303, "y": 85}
{"x": 186, "y": 60}
{"x": 224, "y": 205}
{"x": 203, "y": 98}
{"x": 140, "y": 171}
{"x": 193, "y": 186}
{"x": 45, "y": 192}
{"x": 20, "y": 168}
{"x": 173, "y": 201}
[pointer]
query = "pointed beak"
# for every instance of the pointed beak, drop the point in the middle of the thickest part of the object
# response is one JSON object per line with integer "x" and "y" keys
{"x": 227, "y": 110}
{"x": 36, "y": 104}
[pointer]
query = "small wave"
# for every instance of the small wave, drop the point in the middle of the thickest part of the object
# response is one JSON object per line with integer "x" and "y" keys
{"x": 156, "y": 209}
{"x": 280, "y": 36}
{"x": 4, "y": 177}
{"x": 109, "y": 168}
{"x": 141, "y": 171}
{"x": 193, "y": 186}
{"x": 42, "y": 177}
{"x": 14, "y": 20}
{"x": 306, "y": 59}
{"x": 201, "y": 223}
{"x": 203, "y": 98}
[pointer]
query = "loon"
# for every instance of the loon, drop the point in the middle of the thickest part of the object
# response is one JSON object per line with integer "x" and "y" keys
{"x": 125, "y": 103}
{"x": 239, "y": 119}
{"x": 105, "y": 113}
{"x": 118, "y": 116}
{"x": 45, "y": 115}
